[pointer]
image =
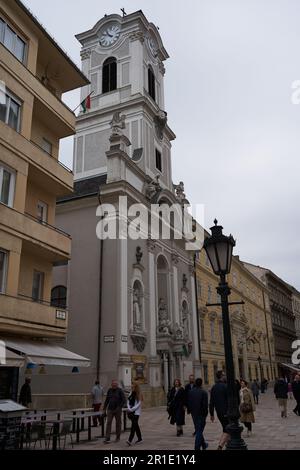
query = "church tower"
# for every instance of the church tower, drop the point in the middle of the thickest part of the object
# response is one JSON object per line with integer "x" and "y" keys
{"x": 124, "y": 60}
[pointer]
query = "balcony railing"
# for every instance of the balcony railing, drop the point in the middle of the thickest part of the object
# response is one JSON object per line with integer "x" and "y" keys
{"x": 50, "y": 156}
{"x": 42, "y": 222}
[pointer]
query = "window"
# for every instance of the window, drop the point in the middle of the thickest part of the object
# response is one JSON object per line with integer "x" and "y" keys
{"x": 212, "y": 330}
{"x": 151, "y": 83}
{"x": 205, "y": 373}
{"x": 9, "y": 109}
{"x": 47, "y": 146}
{"x": 12, "y": 41}
{"x": 7, "y": 185}
{"x": 37, "y": 286}
{"x": 42, "y": 211}
{"x": 59, "y": 297}
{"x": 109, "y": 75}
{"x": 158, "y": 162}
{"x": 3, "y": 267}
{"x": 209, "y": 294}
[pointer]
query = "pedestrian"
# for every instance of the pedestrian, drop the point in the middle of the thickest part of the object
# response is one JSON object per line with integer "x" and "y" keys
{"x": 114, "y": 402}
{"x": 97, "y": 397}
{"x": 263, "y": 385}
{"x": 255, "y": 390}
{"x": 296, "y": 393}
{"x": 281, "y": 393}
{"x": 198, "y": 406}
{"x": 25, "y": 393}
{"x": 290, "y": 390}
{"x": 247, "y": 407}
{"x": 176, "y": 404}
{"x": 134, "y": 406}
{"x": 219, "y": 402}
{"x": 187, "y": 389}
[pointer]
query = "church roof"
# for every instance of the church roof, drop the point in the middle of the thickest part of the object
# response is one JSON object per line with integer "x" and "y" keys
{"x": 84, "y": 188}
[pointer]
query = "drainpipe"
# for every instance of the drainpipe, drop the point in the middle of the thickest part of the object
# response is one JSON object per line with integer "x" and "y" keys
{"x": 100, "y": 301}
{"x": 197, "y": 309}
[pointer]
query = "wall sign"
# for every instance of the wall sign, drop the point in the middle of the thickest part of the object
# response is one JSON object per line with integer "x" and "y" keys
{"x": 60, "y": 314}
{"x": 124, "y": 339}
{"x": 109, "y": 339}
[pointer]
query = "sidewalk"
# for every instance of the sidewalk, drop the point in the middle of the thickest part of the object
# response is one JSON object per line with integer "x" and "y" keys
{"x": 270, "y": 431}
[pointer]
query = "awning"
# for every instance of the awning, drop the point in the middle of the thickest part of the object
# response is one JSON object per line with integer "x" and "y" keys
{"x": 52, "y": 354}
{"x": 11, "y": 359}
{"x": 291, "y": 366}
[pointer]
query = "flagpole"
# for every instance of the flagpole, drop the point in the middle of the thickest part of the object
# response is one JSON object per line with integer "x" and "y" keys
{"x": 83, "y": 101}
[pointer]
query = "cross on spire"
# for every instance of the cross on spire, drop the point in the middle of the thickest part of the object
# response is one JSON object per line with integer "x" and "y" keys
{"x": 123, "y": 11}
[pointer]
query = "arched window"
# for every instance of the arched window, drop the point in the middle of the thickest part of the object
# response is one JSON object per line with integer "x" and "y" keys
{"x": 59, "y": 297}
{"x": 109, "y": 75}
{"x": 151, "y": 83}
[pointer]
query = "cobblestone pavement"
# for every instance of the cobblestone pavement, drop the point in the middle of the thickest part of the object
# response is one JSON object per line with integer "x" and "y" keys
{"x": 270, "y": 431}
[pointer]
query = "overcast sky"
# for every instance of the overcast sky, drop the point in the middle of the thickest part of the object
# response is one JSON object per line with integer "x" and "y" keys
{"x": 228, "y": 97}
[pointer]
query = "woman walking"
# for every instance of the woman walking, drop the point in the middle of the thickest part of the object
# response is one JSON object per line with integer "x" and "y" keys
{"x": 247, "y": 407}
{"x": 134, "y": 405}
{"x": 176, "y": 404}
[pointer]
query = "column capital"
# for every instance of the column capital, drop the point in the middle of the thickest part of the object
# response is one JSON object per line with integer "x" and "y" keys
{"x": 85, "y": 54}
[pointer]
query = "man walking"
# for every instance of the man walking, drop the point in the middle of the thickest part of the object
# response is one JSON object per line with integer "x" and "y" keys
{"x": 255, "y": 390}
{"x": 97, "y": 397}
{"x": 219, "y": 402}
{"x": 198, "y": 406}
{"x": 114, "y": 402}
{"x": 187, "y": 390}
{"x": 281, "y": 393}
{"x": 296, "y": 393}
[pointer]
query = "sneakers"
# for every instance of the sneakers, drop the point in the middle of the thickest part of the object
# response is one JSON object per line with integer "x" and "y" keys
{"x": 129, "y": 443}
{"x": 138, "y": 441}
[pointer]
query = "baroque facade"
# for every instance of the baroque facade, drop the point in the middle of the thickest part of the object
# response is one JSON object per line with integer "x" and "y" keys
{"x": 34, "y": 73}
{"x": 251, "y": 326}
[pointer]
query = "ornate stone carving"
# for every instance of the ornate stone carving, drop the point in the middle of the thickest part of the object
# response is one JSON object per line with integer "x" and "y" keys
{"x": 164, "y": 323}
{"x": 179, "y": 191}
{"x": 184, "y": 281}
{"x": 139, "y": 341}
{"x": 152, "y": 188}
{"x": 137, "y": 36}
{"x": 136, "y": 309}
{"x": 175, "y": 258}
{"x": 85, "y": 54}
{"x": 138, "y": 254}
{"x": 161, "y": 67}
{"x": 178, "y": 332}
{"x": 160, "y": 121}
{"x": 151, "y": 245}
{"x": 117, "y": 123}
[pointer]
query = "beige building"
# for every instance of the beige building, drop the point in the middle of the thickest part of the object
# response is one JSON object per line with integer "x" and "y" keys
{"x": 34, "y": 73}
{"x": 251, "y": 325}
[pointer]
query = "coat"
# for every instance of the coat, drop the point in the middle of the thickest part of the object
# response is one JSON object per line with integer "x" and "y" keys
{"x": 198, "y": 402}
{"x": 247, "y": 397}
{"x": 296, "y": 390}
{"x": 176, "y": 403}
{"x": 281, "y": 389}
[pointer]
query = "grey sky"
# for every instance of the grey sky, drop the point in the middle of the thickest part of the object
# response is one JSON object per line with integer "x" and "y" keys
{"x": 228, "y": 98}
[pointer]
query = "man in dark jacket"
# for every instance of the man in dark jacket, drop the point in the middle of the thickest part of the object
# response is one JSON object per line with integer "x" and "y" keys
{"x": 198, "y": 406}
{"x": 25, "y": 393}
{"x": 296, "y": 393}
{"x": 219, "y": 402}
{"x": 114, "y": 402}
{"x": 281, "y": 393}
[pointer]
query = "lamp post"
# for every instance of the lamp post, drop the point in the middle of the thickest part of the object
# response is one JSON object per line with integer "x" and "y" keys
{"x": 219, "y": 248}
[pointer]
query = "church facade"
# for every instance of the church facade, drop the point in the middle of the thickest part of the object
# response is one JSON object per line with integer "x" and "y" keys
{"x": 132, "y": 303}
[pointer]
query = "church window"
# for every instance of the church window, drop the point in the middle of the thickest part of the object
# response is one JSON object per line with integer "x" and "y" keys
{"x": 109, "y": 75}
{"x": 158, "y": 162}
{"x": 151, "y": 83}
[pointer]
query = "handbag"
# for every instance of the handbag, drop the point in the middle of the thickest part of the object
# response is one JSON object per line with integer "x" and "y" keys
{"x": 246, "y": 407}
{"x": 130, "y": 414}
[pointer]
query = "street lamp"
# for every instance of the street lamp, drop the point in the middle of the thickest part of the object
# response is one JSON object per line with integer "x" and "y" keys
{"x": 219, "y": 248}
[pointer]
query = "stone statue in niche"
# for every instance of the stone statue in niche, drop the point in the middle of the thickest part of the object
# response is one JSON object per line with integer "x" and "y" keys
{"x": 164, "y": 323}
{"x": 137, "y": 311}
{"x": 138, "y": 255}
{"x": 184, "y": 281}
{"x": 117, "y": 123}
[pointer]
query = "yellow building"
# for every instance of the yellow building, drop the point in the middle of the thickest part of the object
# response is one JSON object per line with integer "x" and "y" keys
{"x": 251, "y": 325}
{"x": 34, "y": 73}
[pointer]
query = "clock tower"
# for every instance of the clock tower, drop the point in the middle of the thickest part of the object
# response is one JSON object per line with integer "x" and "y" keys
{"x": 124, "y": 60}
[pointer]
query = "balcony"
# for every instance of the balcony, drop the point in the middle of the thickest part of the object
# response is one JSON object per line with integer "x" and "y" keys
{"x": 20, "y": 315}
{"x": 49, "y": 171}
{"x": 46, "y": 240}
{"x": 54, "y": 105}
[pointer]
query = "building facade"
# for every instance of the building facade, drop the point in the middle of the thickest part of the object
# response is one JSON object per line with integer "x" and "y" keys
{"x": 283, "y": 319}
{"x": 132, "y": 302}
{"x": 296, "y": 310}
{"x": 251, "y": 326}
{"x": 34, "y": 73}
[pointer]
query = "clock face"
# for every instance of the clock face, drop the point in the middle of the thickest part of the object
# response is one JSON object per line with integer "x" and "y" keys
{"x": 152, "y": 46}
{"x": 110, "y": 35}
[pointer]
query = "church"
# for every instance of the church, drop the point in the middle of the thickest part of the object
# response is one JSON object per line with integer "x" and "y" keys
{"x": 132, "y": 302}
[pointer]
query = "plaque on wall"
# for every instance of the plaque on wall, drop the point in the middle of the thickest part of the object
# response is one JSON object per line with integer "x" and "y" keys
{"x": 109, "y": 339}
{"x": 124, "y": 339}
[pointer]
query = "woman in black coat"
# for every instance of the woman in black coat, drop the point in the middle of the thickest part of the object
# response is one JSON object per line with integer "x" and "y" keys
{"x": 176, "y": 403}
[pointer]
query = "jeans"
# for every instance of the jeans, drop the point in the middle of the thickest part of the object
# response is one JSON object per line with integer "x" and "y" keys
{"x": 135, "y": 428}
{"x": 199, "y": 423}
{"x": 96, "y": 407}
{"x": 110, "y": 415}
